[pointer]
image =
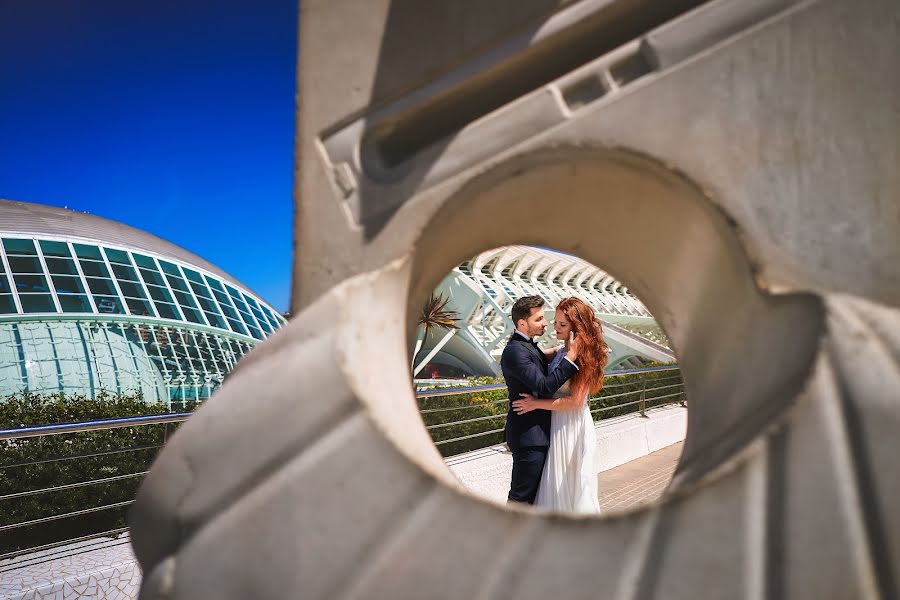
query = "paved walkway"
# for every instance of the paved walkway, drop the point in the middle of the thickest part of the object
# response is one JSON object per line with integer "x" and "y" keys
{"x": 106, "y": 568}
{"x": 639, "y": 481}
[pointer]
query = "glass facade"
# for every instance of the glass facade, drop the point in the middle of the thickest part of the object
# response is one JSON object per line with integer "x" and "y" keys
{"x": 82, "y": 317}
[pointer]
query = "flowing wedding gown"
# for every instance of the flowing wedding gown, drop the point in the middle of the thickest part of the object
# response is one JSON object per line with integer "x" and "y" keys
{"x": 569, "y": 480}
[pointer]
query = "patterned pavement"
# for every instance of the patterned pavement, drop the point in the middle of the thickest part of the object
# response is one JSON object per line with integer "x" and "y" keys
{"x": 638, "y": 482}
{"x": 100, "y": 568}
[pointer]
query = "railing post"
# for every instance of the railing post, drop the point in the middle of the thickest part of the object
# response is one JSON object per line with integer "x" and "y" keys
{"x": 643, "y": 401}
{"x": 683, "y": 404}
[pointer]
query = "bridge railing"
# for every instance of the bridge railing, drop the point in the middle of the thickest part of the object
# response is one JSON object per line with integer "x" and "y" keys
{"x": 64, "y": 484}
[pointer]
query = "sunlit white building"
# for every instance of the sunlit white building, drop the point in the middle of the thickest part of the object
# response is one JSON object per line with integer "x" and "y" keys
{"x": 89, "y": 304}
{"x": 483, "y": 289}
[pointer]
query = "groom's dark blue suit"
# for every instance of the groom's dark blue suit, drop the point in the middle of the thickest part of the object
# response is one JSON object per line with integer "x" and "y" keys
{"x": 524, "y": 368}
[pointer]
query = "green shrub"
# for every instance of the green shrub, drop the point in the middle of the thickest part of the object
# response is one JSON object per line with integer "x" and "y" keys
{"x": 58, "y": 460}
{"x": 619, "y": 397}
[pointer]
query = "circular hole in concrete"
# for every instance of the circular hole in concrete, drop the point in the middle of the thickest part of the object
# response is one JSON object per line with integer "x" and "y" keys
{"x": 665, "y": 238}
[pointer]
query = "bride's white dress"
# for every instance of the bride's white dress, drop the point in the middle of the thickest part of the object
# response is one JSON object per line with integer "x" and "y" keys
{"x": 569, "y": 480}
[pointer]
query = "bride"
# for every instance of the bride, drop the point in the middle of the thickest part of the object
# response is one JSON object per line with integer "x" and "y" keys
{"x": 569, "y": 480}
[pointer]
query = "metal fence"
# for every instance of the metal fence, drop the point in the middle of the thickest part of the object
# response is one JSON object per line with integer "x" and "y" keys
{"x": 29, "y": 502}
{"x": 63, "y": 484}
{"x": 624, "y": 392}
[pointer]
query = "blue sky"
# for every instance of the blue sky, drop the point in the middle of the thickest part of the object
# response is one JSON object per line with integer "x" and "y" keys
{"x": 174, "y": 116}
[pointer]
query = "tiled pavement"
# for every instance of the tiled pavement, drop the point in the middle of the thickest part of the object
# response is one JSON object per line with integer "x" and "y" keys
{"x": 638, "y": 482}
{"x": 99, "y": 568}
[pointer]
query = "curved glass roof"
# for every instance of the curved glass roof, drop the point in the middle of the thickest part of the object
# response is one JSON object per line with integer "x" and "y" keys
{"x": 41, "y": 275}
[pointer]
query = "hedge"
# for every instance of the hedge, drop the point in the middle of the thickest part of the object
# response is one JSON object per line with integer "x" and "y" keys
{"x": 56, "y": 460}
{"x": 475, "y": 405}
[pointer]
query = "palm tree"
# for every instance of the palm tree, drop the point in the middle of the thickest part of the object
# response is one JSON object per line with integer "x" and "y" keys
{"x": 435, "y": 315}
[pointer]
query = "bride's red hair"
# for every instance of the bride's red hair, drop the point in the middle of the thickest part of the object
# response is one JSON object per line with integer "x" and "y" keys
{"x": 592, "y": 354}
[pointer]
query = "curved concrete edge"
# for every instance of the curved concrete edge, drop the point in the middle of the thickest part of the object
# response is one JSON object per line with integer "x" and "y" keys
{"x": 486, "y": 472}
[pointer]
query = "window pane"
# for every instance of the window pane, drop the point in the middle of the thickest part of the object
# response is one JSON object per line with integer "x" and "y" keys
{"x": 73, "y": 303}
{"x": 228, "y": 311}
{"x": 215, "y": 320}
{"x": 14, "y": 246}
{"x": 269, "y": 317}
{"x": 214, "y": 284}
{"x": 193, "y": 275}
{"x": 152, "y": 276}
{"x": 25, "y": 264}
{"x": 101, "y": 286}
{"x": 238, "y": 301}
{"x": 144, "y": 261}
{"x": 123, "y": 272}
{"x": 237, "y": 326}
{"x": 201, "y": 290}
{"x": 166, "y": 311}
{"x": 158, "y": 293}
{"x": 94, "y": 268}
{"x": 139, "y": 307}
{"x": 263, "y": 322}
{"x": 63, "y": 266}
{"x": 67, "y": 284}
{"x": 207, "y": 305}
{"x": 31, "y": 283}
{"x": 192, "y": 315}
{"x": 34, "y": 303}
{"x": 131, "y": 289}
{"x": 55, "y": 249}
{"x": 117, "y": 256}
{"x": 109, "y": 305}
{"x": 177, "y": 283}
{"x": 83, "y": 251}
{"x": 7, "y": 304}
{"x": 169, "y": 268}
{"x": 223, "y": 301}
{"x": 184, "y": 300}
{"x": 4, "y": 285}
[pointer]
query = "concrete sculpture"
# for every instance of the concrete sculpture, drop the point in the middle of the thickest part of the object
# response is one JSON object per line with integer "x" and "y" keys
{"x": 733, "y": 163}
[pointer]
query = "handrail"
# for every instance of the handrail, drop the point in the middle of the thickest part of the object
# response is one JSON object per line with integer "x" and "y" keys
{"x": 84, "y": 426}
{"x": 102, "y": 424}
{"x": 499, "y": 386}
{"x": 643, "y": 395}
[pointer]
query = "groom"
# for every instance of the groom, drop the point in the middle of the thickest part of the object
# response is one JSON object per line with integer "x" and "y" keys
{"x": 524, "y": 368}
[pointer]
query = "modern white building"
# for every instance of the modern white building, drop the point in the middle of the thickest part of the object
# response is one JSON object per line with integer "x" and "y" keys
{"x": 483, "y": 289}
{"x": 88, "y": 304}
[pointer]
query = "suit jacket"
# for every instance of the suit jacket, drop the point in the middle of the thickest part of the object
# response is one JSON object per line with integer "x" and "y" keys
{"x": 524, "y": 368}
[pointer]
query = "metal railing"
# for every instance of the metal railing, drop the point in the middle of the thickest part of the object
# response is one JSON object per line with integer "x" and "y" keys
{"x": 640, "y": 395}
{"x": 637, "y": 388}
{"x": 25, "y": 505}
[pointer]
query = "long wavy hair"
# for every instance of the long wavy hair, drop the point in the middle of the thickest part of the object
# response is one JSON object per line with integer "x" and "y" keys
{"x": 593, "y": 354}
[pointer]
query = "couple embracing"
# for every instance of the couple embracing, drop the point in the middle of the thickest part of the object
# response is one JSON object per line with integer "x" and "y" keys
{"x": 549, "y": 426}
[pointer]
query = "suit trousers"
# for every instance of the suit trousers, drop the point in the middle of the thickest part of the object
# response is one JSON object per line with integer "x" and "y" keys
{"x": 528, "y": 465}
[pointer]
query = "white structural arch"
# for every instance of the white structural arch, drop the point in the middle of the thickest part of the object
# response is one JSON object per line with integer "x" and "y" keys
{"x": 483, "y": 289}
